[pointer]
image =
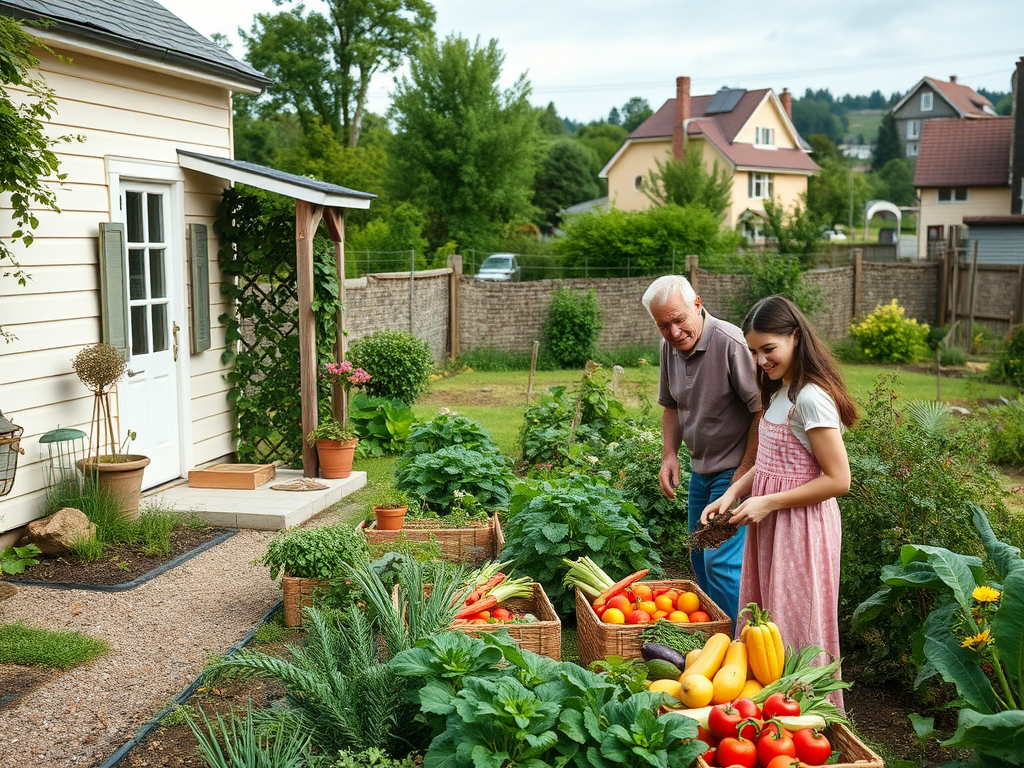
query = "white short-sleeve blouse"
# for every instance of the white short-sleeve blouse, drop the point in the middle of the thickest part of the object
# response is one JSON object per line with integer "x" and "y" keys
{"x": 814, "y": 408}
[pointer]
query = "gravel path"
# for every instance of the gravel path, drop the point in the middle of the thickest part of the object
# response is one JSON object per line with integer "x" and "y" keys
{"x": 160, "y": 636}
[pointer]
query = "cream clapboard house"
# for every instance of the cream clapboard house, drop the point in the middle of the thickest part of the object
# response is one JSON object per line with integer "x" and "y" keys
{"x": 131, "y": 257}
{"x": 749, "y": 134}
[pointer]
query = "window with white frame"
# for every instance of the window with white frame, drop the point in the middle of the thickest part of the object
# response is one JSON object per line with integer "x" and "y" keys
{"x": 953, "y": 195}
{"x": 913, "y": 129}
{"x": 911, "y": 149}
{"x": 760, "y": 186}
{"x": 927, "y": 101}
{"x": 764, "y": 136}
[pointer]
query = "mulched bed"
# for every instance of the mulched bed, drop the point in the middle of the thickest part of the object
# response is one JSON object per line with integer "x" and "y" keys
{"x": 120, "y": 563}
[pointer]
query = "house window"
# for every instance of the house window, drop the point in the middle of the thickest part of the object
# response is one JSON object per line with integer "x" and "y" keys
{"x": 764, "y": 136}
{"x": 953, "y": 195}
{"x": 913, "y": 129}
{"x": 927, "y": 100}
{"x": 760, "y": 186}
{"x": 935, "y": 232}
{"x": 911, "y": 149}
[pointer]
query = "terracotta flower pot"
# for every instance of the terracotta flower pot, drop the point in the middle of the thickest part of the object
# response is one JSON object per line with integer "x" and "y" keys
{"x": 390, "y": 518}
{"x": 336, "y": 457}
{"x": 121, "y": 478}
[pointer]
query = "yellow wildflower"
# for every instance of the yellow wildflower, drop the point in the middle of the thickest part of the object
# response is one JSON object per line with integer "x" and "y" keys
{"x": 977, "y": 641}
{"x": 986, "y": 594}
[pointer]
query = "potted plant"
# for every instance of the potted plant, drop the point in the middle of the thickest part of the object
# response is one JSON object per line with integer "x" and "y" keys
{"x": 336, "y": 442}
{"x": 109, "y": 464}
{"x": 389, "y": 506}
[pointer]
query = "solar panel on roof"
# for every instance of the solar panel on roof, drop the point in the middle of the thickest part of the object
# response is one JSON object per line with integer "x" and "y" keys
{"x": 724, "y": 101}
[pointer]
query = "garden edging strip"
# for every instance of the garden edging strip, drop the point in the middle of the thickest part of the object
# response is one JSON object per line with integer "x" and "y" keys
{"x": 137, "y": 581}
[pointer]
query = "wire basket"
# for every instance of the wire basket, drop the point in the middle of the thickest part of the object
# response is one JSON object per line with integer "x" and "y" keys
{"x": 10, "y": 449}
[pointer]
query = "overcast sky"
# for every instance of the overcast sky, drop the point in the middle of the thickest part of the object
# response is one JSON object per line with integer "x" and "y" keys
{"x": 589, "y": 56}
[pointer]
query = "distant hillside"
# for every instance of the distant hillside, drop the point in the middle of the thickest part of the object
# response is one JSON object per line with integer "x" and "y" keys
{"x": 862, "y": 123}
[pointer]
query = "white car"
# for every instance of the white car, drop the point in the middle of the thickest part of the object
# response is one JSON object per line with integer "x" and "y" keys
{"x": 500, "y": 267}
{"x": 833, "y": 234}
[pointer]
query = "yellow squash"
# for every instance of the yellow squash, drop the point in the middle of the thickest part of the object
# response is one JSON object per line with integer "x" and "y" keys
{"x": 764, "y": 645}
{"x": 710, "y": 659}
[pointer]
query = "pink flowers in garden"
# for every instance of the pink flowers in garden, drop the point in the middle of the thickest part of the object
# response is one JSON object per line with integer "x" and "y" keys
{"x": 346, "y": 374}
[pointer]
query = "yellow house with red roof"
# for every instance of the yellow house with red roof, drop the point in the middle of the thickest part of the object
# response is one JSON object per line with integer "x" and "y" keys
{"x": 750, "y": 134}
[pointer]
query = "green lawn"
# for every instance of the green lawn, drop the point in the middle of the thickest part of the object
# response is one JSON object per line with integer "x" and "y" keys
{"x": 864, "y": 122}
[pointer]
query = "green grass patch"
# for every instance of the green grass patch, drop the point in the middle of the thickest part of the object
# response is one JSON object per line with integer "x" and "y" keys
{"x": 41, "y": 648}
{"x": 864, "y": 122}
{"x": 966, "y": 391}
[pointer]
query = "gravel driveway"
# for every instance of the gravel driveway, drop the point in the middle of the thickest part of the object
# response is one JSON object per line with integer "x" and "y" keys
{"x": 160, "y": 636}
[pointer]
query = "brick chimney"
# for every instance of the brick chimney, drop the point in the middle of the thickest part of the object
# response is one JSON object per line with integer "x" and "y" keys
{"x": 787, "y": 102}
{"x": 682, "y": 115}
{"x": 952, "y": 79}
{"x": 1017, "y": 142}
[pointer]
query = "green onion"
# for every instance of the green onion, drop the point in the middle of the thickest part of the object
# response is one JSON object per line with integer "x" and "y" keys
{"x": 588, "y": 576}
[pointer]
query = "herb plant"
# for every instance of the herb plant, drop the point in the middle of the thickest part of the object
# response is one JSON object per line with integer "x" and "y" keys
{"x": 313, "y": 553}
{"x": 568, "y": 519}
{"x": 435, "y": 477}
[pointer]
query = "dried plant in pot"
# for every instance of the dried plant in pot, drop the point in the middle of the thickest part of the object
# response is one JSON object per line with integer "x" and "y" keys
{"x": 109, "y": 464}
{"x": 389, "y": 507}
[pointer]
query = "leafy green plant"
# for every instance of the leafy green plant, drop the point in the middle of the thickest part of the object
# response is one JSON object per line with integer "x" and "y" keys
{"x": 17, "y": 559}
{"x": 1006, "y": 433}
{"x": 776, "y": 274}
{"x": 572, "y": 326}
{"x": 87, "y": 548}
{"x": 388, "y": 497}
{"x": 568, "y": 519}
{"x": 20, "y": 644}
{"x": 370, "y": 758}
{"x": 448, "y": 429}
{"x": 421, "y": 551}
{"x": 329, "y": 428}
{"x": 434, "y": 478}
{"x": 886, "y": 336}
{"x": 313, "y": 553}
{"x": 1008, "y": 365}
{"x": 383, "y": 426}
{"x": 973, "y": 638}
{"x": 399, "y": 363}
{"x": 238, "y": 743}
{"x": 155, "y": 529}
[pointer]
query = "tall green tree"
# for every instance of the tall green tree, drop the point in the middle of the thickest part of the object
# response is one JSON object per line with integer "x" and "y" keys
{"x": 888, "y": 145}
{"x": 796, "y": 232}
{"x": 835, "y": 188}
{"x": 894, "y": 182}
{"x": 564, "y": 178}
{"x": 684, "y": 183}
{"x": 814, "y": 115}
{"x": 549, "y": 121}
{"x": 604, "y": 138}
{"x": 323, "y": 63}
{"x": 464, "y": 151}
{"x": 634, "y": 112}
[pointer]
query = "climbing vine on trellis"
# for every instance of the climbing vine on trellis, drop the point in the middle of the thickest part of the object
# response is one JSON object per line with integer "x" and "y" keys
{"x": 257, "y": 261}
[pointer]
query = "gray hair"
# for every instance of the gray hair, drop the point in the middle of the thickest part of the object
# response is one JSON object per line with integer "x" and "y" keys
{"x": 662, "y": 289}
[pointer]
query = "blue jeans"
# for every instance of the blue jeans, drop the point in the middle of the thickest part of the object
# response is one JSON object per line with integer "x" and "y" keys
{"x": 718, "y": 570}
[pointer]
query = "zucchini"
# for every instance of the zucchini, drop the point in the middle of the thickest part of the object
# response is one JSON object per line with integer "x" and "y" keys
{"x": 661, "y": 651}
{"x": 659, "y": 669}
{"x": 799, "y": 722}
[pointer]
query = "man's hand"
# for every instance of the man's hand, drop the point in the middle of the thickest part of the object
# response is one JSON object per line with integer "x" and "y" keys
{"x": 669, "y": 476}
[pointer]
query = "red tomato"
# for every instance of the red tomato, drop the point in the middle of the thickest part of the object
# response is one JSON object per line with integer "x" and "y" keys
{"x": 638, "y": 617}
{"x": 706, "y": 736}
{"x": 811, "y": 746}
{"x": 723, "y": 721}
{"x": 748, "y": 708}
{"x": 783, "y": 761}
{"x": 710, "y": 756}
{"x": 501, "y": 614}
{"x": 780, "y": 704}
{"x": 699, "y": 616}
{"x": 772, "y": 728}
{"x": 732, "y": 751}
{"x": 771, "y": 745}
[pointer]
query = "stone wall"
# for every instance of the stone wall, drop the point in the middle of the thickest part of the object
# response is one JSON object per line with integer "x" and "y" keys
{"x": 914, "y": 285}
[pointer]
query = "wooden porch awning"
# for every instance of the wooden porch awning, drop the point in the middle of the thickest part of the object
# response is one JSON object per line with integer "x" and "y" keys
{"x": 314, "y": 200}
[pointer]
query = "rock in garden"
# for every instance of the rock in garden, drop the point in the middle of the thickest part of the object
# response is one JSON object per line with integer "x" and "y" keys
{"x": 55, "y": 534}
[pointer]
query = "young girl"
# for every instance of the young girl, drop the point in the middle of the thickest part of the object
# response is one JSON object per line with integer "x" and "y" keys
{"x": 791, "y": 560}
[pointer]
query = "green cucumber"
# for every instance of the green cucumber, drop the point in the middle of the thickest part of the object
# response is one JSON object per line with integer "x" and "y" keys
{"x": 659, "y": 669}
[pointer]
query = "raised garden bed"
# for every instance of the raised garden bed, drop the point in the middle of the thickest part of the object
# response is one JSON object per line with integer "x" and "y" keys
{"x": 471, "y": 544}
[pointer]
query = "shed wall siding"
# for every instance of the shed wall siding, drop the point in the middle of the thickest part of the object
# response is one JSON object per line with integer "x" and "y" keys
{"x": 997, "y": 245}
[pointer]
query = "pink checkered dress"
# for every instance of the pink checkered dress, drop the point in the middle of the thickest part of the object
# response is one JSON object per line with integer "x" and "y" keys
{"x": 791, "y": 561}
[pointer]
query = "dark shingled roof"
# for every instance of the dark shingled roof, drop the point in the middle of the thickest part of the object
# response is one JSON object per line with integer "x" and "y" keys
{"x": 964, "y": 153}
{"x": 142, "y": 27}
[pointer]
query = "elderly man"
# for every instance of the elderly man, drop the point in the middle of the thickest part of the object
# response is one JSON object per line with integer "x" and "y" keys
{"x": 709, "y": 392}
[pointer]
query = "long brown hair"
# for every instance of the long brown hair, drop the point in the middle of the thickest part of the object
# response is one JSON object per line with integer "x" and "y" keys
{"x": 812, "y": 361}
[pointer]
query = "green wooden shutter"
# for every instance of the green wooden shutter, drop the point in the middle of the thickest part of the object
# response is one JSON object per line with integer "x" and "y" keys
{"x": 113, "y": 287}
{"x": 199, "y": 280}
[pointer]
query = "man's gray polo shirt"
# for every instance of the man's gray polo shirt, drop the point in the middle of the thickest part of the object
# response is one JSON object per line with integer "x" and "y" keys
{"x": 715, "y": 390}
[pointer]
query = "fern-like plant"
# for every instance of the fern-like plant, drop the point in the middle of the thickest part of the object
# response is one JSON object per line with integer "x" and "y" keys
{"x": 931, "y": 416}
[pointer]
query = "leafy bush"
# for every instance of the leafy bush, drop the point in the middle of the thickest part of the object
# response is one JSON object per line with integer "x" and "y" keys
{"x": 446, "y": 429}
{"x": 569, "y": 519}
{"x": 1006, "y": 434}
{"x": 382, "y": 425}
{"x": 313, "y": 553}
{"x": 1008, "y": 365}
{"x": 886, "y": 336}
{"x": 774, "y": 274}
{"x": 399, "y": 364}
{"x": 435, "y": 477}
{"x": 847, "y": 350}
{"x": 571, "y": 329}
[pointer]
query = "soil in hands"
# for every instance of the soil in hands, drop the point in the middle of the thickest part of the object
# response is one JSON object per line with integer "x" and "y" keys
{"x": 713, "y": 535}
{"x": 120, "y": 562}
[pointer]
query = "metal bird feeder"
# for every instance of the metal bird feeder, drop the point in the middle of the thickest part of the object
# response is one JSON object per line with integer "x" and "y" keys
{"x": 10, "y": 449}
{"x": 65, "y": 448}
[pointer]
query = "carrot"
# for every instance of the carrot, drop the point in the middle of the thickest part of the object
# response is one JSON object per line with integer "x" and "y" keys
{"x": 483, "y": 604}
{"x": 613, "y": 590}
{"x": 486, "y": 587}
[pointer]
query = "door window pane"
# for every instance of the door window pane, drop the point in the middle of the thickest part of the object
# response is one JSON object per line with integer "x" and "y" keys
{"x": 133, "y": 204}
{"x": 140, "y": 331}
{"x": 159, "y": 327}
{"x": 156, "y": 218}
{"x": 157, "y": 283}
{"x": 137, "y": 274}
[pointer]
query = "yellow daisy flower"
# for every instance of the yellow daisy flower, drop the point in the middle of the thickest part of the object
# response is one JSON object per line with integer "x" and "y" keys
{"x": 977, "y": 641}
{"x": 986, "y": 594}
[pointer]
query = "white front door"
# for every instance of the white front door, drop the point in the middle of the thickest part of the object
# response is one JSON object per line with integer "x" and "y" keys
{"x": 148, "y": 397}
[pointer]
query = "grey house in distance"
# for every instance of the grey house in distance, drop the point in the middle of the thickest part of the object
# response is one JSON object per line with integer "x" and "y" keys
{"x": 933, "y": 99}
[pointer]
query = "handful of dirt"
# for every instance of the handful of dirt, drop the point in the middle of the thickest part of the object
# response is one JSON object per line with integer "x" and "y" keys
{"x": 711, "y": 536}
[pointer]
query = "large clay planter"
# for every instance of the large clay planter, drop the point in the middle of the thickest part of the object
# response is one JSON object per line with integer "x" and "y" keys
{"x": 336, "y": 457}
{"x": 120, "y": 478}
{"x": 390, "y": 518}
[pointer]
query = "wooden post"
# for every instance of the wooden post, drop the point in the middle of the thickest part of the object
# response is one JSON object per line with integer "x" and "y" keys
{"x": 412, "y": 296}
{"x": 954, "y": 291}
{"x": 454, "y": 310}
{"x": 858, "y": 280}
{"x": 943, "y": 285}
{"x": 307, "y": 218}
{"x": 533, "y": 367}
{"x": 1018, "y": 314}
{"x": 970, "y": 302}
{"x": 692, "y": 263}
{"x": 335, "y": 220}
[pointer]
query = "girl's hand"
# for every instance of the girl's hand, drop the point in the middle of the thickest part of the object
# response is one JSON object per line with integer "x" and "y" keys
{"x": 752, "y": 510}
{"x": 717, "y": 507}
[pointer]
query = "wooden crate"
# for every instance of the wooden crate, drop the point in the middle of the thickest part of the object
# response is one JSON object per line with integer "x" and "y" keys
{"x": 235, "y": 477}
{"x": 543, "y": 636}
{"x": 298, "y": 593}
{"x": 855, "y": 753}
{"x": 596, "y": 640}
{"x": 461, "y": 545}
